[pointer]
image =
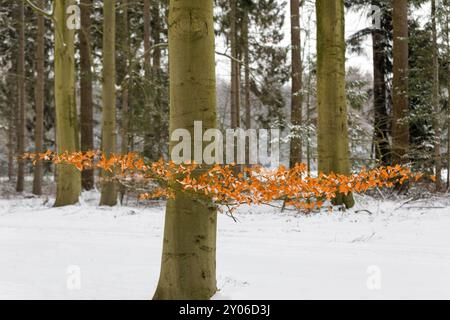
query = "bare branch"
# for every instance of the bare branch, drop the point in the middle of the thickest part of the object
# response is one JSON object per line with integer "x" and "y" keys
{"x": 40, "y": 10}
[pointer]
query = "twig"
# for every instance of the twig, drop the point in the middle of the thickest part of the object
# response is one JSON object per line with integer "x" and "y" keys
{"x": 39, "y": 10}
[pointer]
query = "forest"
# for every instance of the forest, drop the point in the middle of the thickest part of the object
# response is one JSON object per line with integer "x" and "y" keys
{"x": 224, "y": 149}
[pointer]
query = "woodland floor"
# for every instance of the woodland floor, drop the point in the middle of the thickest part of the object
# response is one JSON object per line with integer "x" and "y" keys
{"x": 265, "y": 255}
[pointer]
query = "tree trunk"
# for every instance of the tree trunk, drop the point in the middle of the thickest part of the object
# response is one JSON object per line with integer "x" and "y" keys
{"x": 447, "y": 31}
{"x": 109, "y": 192}
{"x": 436, "y": 101}
{"x": 21, "y": 98}
{"x": 296, "y": 96}
{"x": 400, "y": 126}
{"x": 39, "y": 100}
{"x": 125, "y": 132}
{"x": 86, "y": 108}
{"x": 235, "y": 76}
{"x": 246, "y": 50}
{"x": 147, "y": 51}
{"x": 68, "y": 177}
{"x": 188, "y": 269}
{"x": 12, "y": 92}
{"x": 381, "y": 118}
{"x": 125, "y": 91}
{"x": 156, "y": 79}
{"x": 333, "y": 146}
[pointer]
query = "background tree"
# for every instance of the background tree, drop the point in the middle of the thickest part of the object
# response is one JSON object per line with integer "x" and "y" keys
{"x": 109, "y": 192}
{"x": 21, "y": 93}
{"x": 39, "y": 99}
{"x": 400, "y": 126}
{"x": 86, "y": 99}
{"x": 333, "y": 144}
{"x": 297, "y": 72}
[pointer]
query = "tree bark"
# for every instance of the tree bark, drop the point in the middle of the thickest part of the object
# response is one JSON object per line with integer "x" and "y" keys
{"x": 109, "y": 192}
{"x": 381, "y": 118}
{"x": 296, "y": 96}
{"x": 400, "y": 126}
{"x": 246, "y": 50}
{"x": 68, "y": 177}
{"x": 21, "y": 98}
{"x": 333, "y": 144}
{"x": 125, "y": 127}
{"x": 39, "y": 100}
{"x": 436, "y": 101}
{"x": 12, "y": 91}
{"x": 188, "y": 269}
{"x": 235, "y": 76}
{"x": 86, "y": 108}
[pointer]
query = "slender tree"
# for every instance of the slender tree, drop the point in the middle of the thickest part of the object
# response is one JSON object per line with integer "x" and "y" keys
{"x": 39, "y": 99}
{"x": 436, "y": 100}
{"x": 86, "y": 107}
{"x": 381, "y": 118}
{"x": 333, "y": 143}
{"x": 125, "y": 117}
{"x": 109, "y": 192}
{"x": 296, "y": 75}
{"x": 246, "y": 53}
{"x": 400, "y": 126}
{"x": 68, "y": 178}
{"x": 11, "y": 125}
{"x": 235, "y": 74}
{"x": 21, "y": 97}
{"x": 447, "y": 35}
{"x": 188, "y": 269}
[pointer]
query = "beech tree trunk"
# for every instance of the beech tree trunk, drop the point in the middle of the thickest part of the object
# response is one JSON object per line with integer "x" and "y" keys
{"x": 333, "y": 144}
{"x": 188, "y": 268}
{"x": 400, "y": 125}
{"x": 109, "y": 192}
{"x": 86, "y": 108}
{"x": 296, "y": 96}
{"x": 67, "y": 131}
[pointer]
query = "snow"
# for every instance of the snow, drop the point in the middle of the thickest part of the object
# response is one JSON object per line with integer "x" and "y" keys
{"x": 401, "y": 246}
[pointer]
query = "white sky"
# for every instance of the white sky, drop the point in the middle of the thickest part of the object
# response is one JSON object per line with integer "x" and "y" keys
{"x": 355, "y": 21}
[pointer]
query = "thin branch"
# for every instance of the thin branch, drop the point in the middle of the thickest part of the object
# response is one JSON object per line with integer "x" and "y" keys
{"x": 39, "y": 10}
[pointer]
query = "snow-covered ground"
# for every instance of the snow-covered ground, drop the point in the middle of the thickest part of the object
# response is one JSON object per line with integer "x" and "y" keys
{"x": 394, "y": 252}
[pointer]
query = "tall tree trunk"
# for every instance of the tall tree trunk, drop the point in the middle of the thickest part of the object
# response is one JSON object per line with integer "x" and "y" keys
{"x": 188, "y": 269}
{"x": 21, "y": 98}
{"x": 39, "y": 100}
{"x": 381, "y": 119}
{"x": 235, "y": 76}
{"x": 109, "y": 192}
{"x": 86, "y": 108}
{"x": 150, "y": 140}
{"x": 447, "y": 31}
{"x": 436, "y": 101}
{"x": 333, "y": 145}
{"x": 156, "y": 79}
{"x": 147, "y": 50}
{"x": 246, "y": 51}
{"x": 125, "y": 132}
{"x": 124, "y": 148}
{"x": 68, "y": 177}
{"x": 400, "y": 127}
{"x": 12, "y": 91}
{"x": 296, "y": 96}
